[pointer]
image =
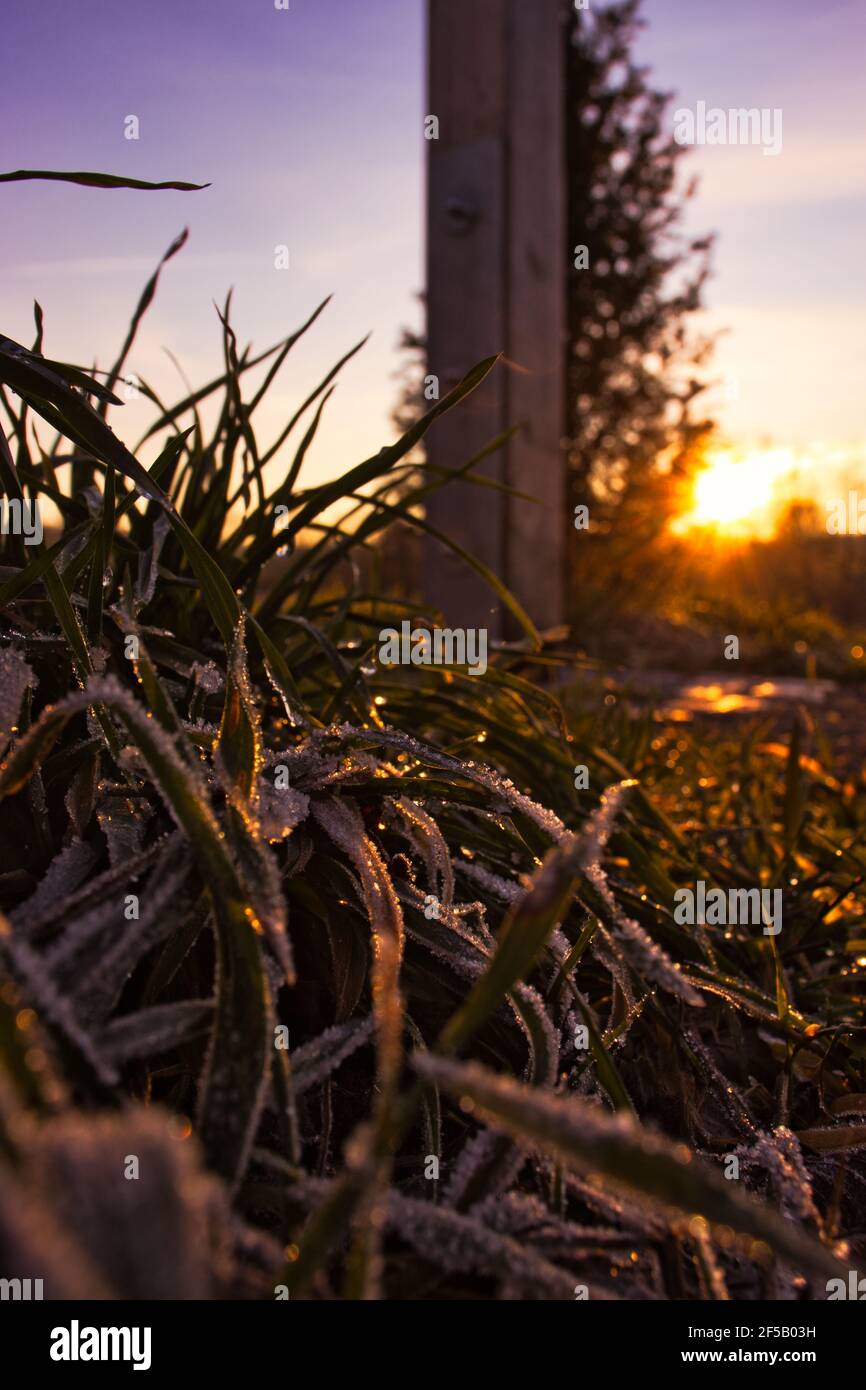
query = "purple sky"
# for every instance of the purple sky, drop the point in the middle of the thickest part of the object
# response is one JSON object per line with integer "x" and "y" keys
{"x": 790, "y": 281}
{"x": 308, "y": 124}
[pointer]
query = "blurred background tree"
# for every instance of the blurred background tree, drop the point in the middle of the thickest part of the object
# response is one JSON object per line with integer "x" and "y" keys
{"x": 635, "y": 368}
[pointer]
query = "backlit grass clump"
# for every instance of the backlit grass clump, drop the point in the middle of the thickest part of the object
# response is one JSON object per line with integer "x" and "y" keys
{"x": 323, "y": 978}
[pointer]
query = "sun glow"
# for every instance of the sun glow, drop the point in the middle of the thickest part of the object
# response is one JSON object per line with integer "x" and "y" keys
{"x": 738, "y": 494}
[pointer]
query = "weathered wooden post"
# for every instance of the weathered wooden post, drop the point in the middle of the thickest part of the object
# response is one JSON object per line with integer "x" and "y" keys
{"x": 496, "y": 282}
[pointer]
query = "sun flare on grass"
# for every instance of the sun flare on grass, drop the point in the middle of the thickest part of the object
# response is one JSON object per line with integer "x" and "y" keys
{"x": 736, "y": 494}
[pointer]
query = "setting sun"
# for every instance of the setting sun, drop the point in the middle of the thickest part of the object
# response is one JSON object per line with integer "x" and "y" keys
{"x": 738, "y": 495}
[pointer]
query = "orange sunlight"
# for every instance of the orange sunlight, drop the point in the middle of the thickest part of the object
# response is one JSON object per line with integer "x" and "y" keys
{"x": 738, "y": 495}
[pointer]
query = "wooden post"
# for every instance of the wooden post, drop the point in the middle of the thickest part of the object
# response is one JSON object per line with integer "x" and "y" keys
{"x": 496, "y": 282}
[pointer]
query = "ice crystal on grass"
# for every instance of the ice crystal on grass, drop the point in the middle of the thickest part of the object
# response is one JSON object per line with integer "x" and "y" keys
{"x": 123, "y": 823}
{"x": 426, "y": 837}
{"x": 207, "y": 677}
{"x": 459, "y": 1243}
{"x": 16, "y": 678}
{"x": 148, "y": 562}
{"x": 110, "y": 884}
{"x": 100, "y": 987}
{"x": 258, "y": 870}
{"x": 602, "y": 822}
{"x": 82, "y": 937}
{"x": 40, "y": 991}
{"x": 81, "y": 796}
{"x": 281, "y": 810}
{"x": 469, "y": 955}
{"x": 464, "y": 920}
{"x": 604, "y": 951}
{"x": 630, "y": 1212}
{"x": 585, "y": 1137}
{"x": 238, "y": 751}
{"x": 541, "y": 1034}
{"x": 487, "y": 1164}
{"x": 450, "y": 941}
{"x": 583, "y": 1248}
{"x": 712, "y": 1274}
{"x": 648, "y": 957}
{"x": 64, "y": 874}
{"x": 526, "y": 1217}
{"x": 728, "y": 1096}
{"x": 151, "y": 1032}
{"x": 317, "y": 1060}
{"x": 502, "y": 888}
{"x": 342, "y": 822}
{"x": 780, "y": 1154}
{"x": 164, "y": 1235}
{"x": 502, "y": 788}
{"x": 34, "y": 746}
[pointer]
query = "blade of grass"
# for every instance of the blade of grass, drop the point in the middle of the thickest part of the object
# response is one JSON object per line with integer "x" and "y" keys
{"x": 583, "y": 1138}
{"x": 90, "y": 180}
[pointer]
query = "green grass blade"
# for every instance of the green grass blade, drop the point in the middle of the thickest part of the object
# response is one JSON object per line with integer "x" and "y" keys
{"x": 579, "y": 1136}
{"x": 231, "y": 1091}
{"x": 523, "y": 934}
